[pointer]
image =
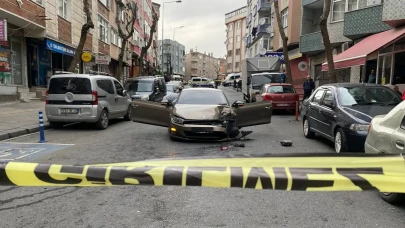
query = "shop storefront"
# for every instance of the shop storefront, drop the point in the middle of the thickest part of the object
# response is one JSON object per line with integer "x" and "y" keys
{"x": 11, "y": 54}
{"x": 391, "y": 64}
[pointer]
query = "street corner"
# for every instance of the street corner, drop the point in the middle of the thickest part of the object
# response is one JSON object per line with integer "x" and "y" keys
{"x": 27, "y": 151}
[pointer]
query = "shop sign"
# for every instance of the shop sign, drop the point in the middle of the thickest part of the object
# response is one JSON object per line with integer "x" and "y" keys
{"x": 86, "y": 57}
{"x": 103, "y": 59}
{"x": 60, "y": 48}
{"x": 275, "y": 54}
{"x": 3, "y": 30}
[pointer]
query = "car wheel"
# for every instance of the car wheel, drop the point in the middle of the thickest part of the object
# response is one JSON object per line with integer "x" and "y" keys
{"x": 128, "y": 116}
{"x": 56, "y": 125}
{"x": 103, "y": 120}
{"x": 340, "y": 141}
{"x": 307, "y": 130}
{"x": 393, "y": 198}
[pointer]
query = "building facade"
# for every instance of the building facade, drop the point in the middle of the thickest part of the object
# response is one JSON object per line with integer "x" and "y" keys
{"x": 235, "y": 22}
{"x": 263, "y": 36}
{"x": 366, "y": 35}
{"x": 199, "y": 64}
{"x": 173, "y": 55}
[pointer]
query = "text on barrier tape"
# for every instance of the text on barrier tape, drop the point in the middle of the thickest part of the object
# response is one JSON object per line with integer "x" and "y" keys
{"x": 385, "y": 173}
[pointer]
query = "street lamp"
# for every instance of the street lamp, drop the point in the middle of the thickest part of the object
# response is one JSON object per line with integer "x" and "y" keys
{"x": 174, "y": 30}
{"x": 163, "y": 16}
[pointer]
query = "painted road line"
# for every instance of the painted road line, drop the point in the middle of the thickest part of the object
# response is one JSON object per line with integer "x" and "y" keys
{"x": 60, "y": 144}
{"x": 28, "y": 151}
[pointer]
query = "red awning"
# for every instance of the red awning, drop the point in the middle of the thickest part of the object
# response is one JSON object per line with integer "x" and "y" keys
{"x": 357, "y": 55}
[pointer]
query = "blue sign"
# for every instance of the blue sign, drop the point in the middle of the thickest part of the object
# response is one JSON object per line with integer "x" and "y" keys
{"x": 275, "y": 54}
{"x": 59, "y": 48}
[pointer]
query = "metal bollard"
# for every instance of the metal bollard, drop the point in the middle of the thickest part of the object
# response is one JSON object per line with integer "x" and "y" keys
{"x": 41, "y": 128}
{"x": 297, "y": 106}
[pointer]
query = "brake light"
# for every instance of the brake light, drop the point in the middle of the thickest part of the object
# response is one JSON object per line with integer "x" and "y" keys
{"x": 94, "y": 99}
{"x": 267, "y": 97}
{"x": 368, "y": 129}
{"x": 46, "y": 94}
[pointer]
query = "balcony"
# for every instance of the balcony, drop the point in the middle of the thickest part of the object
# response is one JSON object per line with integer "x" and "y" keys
{"x": 263, "y": 5}
{"x": 311, "y": 43}
{"x": 262, "y": 29}
{"x": 166, "y": 51}
{"x": 393, "y": 14}
{"x": 364, "y": 22}
{"x": 311, "y": 3}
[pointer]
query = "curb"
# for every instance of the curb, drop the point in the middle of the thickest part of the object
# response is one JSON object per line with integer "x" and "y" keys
{"x": 21, "y": 131}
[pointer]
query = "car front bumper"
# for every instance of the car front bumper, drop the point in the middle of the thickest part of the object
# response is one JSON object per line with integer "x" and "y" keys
{"x": 188, "y": 132}
{"x": 355, "y": 140}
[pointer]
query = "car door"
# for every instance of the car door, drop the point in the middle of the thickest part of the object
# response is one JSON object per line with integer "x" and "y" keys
{"x": 326, "y": 115}
{"x": 313, "y": 109}
{"x": 120, "y": 98}
{"x": 252, "y": 114}
{"x": 106, "y": 93}
{"x": 149, "y": 112}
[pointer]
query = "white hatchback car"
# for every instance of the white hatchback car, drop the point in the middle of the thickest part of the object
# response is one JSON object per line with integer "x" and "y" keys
{"x": 386, "y": 135}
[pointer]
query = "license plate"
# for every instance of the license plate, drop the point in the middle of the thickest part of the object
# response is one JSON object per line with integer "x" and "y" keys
{"x": 69, "y": 111}
{"x": 283, "y": 105}
{"x": 202, "y": 129}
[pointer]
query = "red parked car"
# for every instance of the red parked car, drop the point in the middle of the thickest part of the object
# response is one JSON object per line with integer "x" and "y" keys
{"x": 282, "y": 95}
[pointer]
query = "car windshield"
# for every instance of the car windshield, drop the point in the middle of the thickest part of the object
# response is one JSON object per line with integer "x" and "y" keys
{"x": 281, "y": 89}
{"x": 350, "y": 96}
{"x": 202, "y": 97}
{"x": 69, "y": 84}
{"x": 139, "y": 86}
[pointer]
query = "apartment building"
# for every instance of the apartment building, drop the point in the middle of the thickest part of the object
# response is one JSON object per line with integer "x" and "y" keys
{"x": 173, "y": 55}
{"x": 366, "y": 35}
{"x": 235, "y": 22}
{"x": 199, "y": 64}
{"x": 263, "y": 36}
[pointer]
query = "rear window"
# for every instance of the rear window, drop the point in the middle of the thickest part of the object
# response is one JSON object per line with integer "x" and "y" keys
{"x": 139, "y": 86}
{"x": 70, "y": 84}
{"x": 281, "y": 89}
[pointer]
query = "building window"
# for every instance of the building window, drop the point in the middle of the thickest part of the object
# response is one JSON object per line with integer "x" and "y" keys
{"x": 114, "y": 37}
{"x": 229, "y": 53}
{"x": 237, "y": 51}
{"x": 352, "y": 5}
{"x": 230, "y": 40}
{"x": 265, "y": 43}
{"x": 40, "y": 2}
{"x": 339, "y": 7}
{"x": 229, "y": 66}
{"x": 237, "y": 65}
{"x": 104, "y": 2}
{"x": 374, "y": 2}
{"x": 63, "y": 8}
{"x": 230, "y": 27}
{"x": 284, "y": 17}
{"x": 238, "y": 25}
{"x": 102, "y": 29}
{"x": 119, "y": 41}
{"x": 238, "y": 38}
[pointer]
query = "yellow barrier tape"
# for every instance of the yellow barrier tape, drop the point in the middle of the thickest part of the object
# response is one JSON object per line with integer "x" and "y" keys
{"x": 385, "y": 173}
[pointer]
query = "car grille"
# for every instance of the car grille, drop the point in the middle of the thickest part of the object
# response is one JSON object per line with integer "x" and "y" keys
{"x": 203, "y": 122}
{"x": 214, "y": 135}
{"x": 61, "y": 102}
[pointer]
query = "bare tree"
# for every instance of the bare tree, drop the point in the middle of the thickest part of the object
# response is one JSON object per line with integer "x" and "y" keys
{"x": 285, "y": 42}
{"x": 130, "y": 15}
{"x": 83, "y": 36}
{"x": 217, "y": 69}
{"x": 145, "y": 48}
{"x": 326, "y": 41}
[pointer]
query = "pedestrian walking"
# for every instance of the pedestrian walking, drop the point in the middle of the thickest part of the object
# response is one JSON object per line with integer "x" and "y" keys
{"x": 234, "y": 83}
{"x": 283, "y": 77}
{"x": 239, "y": 86}
{"x": 308, "y": 87}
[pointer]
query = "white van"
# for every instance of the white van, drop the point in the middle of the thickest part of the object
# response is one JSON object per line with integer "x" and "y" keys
{"x": 230, "y": 79}
{"x": 176, "y": 78}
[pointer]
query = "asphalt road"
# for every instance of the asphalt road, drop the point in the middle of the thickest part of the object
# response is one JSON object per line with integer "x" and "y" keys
{"x": 144, "y": 206}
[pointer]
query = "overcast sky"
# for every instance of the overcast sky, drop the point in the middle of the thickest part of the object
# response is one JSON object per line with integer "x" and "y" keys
{"x": 203, "y": 21}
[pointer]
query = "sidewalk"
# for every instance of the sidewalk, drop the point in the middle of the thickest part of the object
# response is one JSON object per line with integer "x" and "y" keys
{"x": 20, "y": 118}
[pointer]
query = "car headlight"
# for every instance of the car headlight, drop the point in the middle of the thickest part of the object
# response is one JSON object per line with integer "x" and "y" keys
{"x": 145, "y": 98}
{"x": 177, "y": 120}
{"x": 359, "y": 127}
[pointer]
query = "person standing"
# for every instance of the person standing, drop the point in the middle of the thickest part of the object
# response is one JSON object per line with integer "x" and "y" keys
{"x": 34, "y": 69}
{"x": 372, "y": 78}
{"x": 283, "y": 77}
{"x": 239, "y": 85}
{"x": 308, "y": 87}
{"x": 235, "y": 84}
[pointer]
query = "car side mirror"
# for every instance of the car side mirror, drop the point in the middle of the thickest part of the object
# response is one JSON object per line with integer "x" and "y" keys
{"x": 238, "y": 104}
{"x": 124, "y": 93}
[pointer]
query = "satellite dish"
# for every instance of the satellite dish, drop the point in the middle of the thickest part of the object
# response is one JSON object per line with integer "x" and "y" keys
{"x": 263, "y": 51}
{"x": 303, "y": 66}
{"x": 269, "y": 29}
{"x": 262, "y": 21}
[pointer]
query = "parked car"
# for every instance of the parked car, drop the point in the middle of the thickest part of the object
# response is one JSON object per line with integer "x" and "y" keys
{"x": 86, "y": 98}
{"x": 283, "y": 96}
{"x": 386, "y": 134}
{"x": 146, "y": 88}
{"x": 342, "y": 112}
{"x": 196, "y": 114}
{"x": 201, "y": 82}
{"x": 229, "y": 80}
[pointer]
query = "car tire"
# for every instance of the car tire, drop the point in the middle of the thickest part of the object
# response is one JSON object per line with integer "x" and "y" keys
{"x": 128, "y": 116}
{"x": 393, "y": 198}
{"x": 306, "y": 128}
{"x": 340, "y": 141}
{"x": 56, "y": 125}
{"x": 103, "y": 120}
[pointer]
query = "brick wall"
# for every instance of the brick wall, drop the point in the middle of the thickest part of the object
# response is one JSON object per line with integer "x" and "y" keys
{"x": 88, "y": 45}
{"x": 64, "y": 30}
{"x": 29, "y": 10}
{"x": 103, "y": 47}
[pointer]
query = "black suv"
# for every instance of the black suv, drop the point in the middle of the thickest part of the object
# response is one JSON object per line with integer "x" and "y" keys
{"x": 146, "y": 88}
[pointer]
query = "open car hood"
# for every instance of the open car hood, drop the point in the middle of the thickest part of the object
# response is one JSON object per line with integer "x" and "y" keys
{"x": 198, "y": 112}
